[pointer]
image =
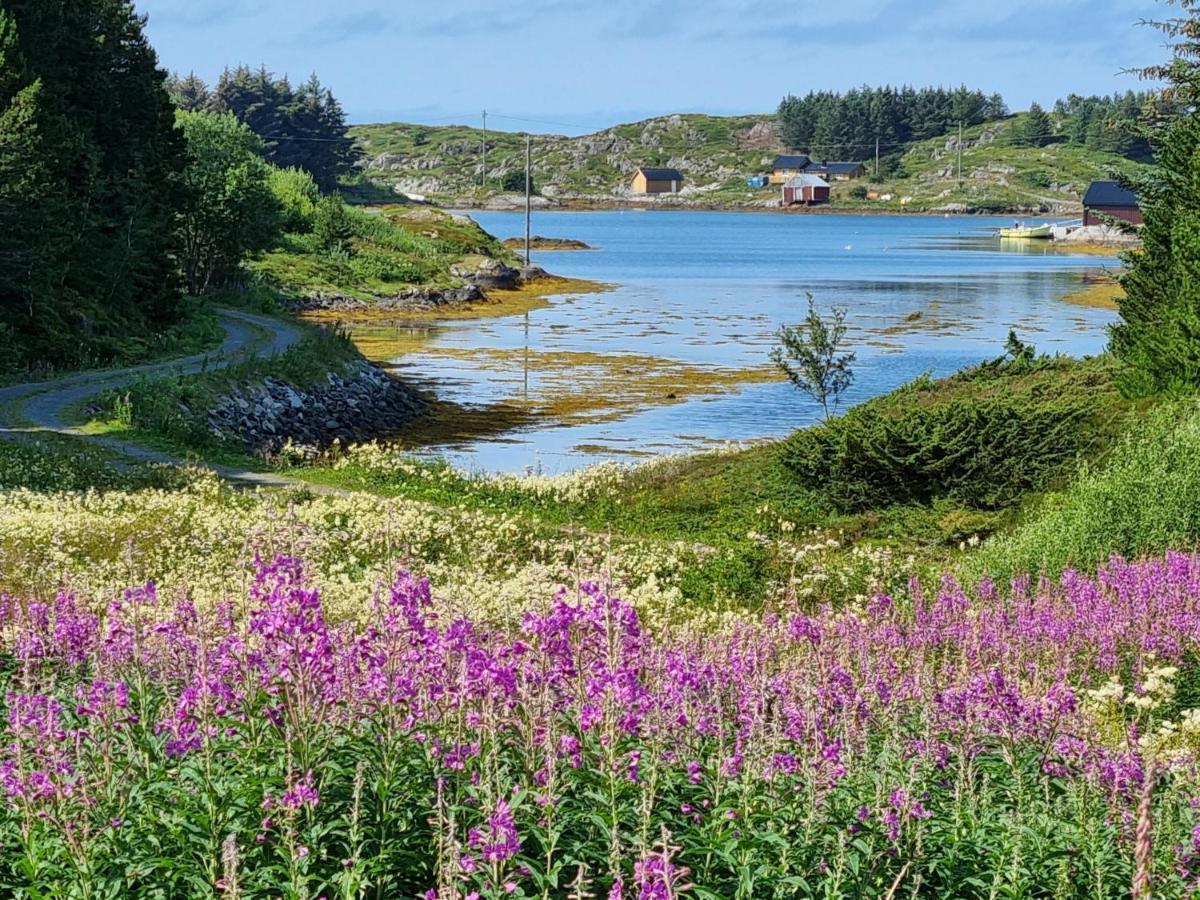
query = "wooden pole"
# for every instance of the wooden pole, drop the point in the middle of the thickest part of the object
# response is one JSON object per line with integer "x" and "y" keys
{"x": 960, "y": 139}
{"x": 876, "y": 157}
{"x": 483, "y": 148}
{"x": 528, "y": 193}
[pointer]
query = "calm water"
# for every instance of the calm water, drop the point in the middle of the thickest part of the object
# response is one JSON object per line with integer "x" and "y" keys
{"x": 708, "y": 291}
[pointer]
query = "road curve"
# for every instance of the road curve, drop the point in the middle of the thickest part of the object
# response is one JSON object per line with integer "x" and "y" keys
{"x": 40, "y": 407}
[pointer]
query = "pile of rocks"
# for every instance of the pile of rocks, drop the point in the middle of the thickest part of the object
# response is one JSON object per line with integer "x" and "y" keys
{"x": 359, "y": 405}
{"x": 411, "y": 299}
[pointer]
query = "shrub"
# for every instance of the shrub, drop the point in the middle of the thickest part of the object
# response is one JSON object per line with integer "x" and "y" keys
{"x": 982, "y": 438}
{"x": 297, "y": 195}
{"x": 382, "y": 267}
{"x": 858, "y": 192}
{"x": 333, "y": 224}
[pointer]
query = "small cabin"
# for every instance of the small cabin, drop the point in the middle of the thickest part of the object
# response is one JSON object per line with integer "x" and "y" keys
{"x": 805, "y": 190}
{"x": 656, "y": 181}
{"x": 1107, "y": 200}
{"x": 786, "y": 167}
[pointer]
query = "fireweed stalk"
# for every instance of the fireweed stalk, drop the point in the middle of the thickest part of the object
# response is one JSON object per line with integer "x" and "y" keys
{"x": 959, "y": 744}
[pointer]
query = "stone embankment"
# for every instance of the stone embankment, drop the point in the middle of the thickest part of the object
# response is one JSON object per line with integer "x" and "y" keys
{"x": 357, "y": 405}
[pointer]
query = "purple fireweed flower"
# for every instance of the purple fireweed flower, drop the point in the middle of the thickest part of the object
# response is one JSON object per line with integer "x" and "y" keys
{"x": 497, "y": 841}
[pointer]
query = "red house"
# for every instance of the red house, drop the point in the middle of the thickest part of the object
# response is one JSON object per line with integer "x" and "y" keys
{"x": 807, "y": 190}
{"x": 1106, "y": 200}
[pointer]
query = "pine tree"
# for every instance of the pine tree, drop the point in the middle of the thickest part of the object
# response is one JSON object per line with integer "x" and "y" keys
{"x": 189, "y": 94}
{"x": 87, "y": 125}
{"x": 1158, "y": 338}
{"x": 1037, "y": 128}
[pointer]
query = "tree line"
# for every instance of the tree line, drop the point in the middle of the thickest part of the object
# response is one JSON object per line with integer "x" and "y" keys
{"x": 302, "y": 127}
{"x": 846, "y": 126}
{"x": 114, "y": 204}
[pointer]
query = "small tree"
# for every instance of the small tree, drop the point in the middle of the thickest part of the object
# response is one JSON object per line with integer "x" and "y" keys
{"x": 1036, "y": 132}
{"x": 333, "y": 225}
{"x": 814, "y": 357}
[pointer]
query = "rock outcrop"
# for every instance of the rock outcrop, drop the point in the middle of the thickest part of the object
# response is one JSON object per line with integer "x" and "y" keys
{"x": 361, "y": 404}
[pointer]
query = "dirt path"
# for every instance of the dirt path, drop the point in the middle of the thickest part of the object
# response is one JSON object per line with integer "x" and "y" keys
{"x": 41, "y": 407}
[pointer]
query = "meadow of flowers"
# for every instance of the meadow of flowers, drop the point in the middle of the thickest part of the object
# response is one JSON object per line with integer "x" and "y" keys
{"x": 1024, "y": 741}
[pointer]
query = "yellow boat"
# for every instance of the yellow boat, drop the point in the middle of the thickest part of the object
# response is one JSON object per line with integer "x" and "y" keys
{"x": 1023, "y": 232}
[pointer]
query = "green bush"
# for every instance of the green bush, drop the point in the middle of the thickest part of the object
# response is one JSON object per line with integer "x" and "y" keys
{"x": 333, "y": 224}
{"x": 983, "y": 438}
{"x": 297, "y": 195}
{"x": 858, "y": 192}
{"x": 1145, "y": 500}
{"x": 367, "y": 265}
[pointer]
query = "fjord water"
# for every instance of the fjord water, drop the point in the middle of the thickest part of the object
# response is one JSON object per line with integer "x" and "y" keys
{"x": 710, "y": 289}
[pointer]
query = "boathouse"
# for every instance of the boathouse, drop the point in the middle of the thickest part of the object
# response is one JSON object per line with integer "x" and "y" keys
{"x": 1107, "y": 200}
{"x": 805, "y": 190}
{"x": 656, "y": 181}
{"x": 785, "y": 167}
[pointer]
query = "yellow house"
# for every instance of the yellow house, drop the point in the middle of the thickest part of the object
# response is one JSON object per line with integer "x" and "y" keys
{"x": 786, "y": 167}
{"x": 656, "y": 181}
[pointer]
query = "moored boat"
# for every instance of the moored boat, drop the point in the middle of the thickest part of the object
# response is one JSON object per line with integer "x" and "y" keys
{"x": 1026, "y": 232}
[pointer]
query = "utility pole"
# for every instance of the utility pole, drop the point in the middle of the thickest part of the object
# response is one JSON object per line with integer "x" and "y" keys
{"x": 484, "y": 149}
{"x": 960, "y": 139}
{"x": 876, "y": 157}
{"x": 528, "y": 193}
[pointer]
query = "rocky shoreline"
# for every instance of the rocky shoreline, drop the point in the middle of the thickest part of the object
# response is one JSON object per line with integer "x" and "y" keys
{"x": 491, "y": 274}
{"x": 360, "y": 404}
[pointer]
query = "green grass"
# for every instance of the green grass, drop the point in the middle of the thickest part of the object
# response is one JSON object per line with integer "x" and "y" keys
{"x": 392, "y": 250}
{"x": 170, "y": 413}
{"x": 1144, "y": 499}
{"x": 196, "y": 331}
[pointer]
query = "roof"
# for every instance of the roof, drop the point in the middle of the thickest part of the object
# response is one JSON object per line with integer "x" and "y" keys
{"x": 1109, "y": 193}
{"x": 791, "y": 162}
{"x": 799, "y": 181}
{"x": 660, "y": 174}
{"x": 837, "y": 168}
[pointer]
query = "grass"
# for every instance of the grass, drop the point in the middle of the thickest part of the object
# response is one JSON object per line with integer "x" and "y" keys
{"x": 197, "y": 331}
{"x": 1143, "y": 499}
{"x": 391, "y": 251}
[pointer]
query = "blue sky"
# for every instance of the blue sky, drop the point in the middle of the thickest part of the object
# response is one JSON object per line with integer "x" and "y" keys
{"x": 579, "y": 65}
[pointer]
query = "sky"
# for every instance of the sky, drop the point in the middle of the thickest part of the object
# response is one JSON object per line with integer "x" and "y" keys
{"x": 572, "y": 67}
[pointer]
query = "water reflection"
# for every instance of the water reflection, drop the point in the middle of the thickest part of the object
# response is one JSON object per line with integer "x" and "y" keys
{"x": 676, "y": 357}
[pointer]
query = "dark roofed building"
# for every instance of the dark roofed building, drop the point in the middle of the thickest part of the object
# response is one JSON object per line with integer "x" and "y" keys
{"x": 1106, "y": 200}
{"x": 839, "y": 171}
{"x": 656, "y": 181}
{"x": 786, "y": 166}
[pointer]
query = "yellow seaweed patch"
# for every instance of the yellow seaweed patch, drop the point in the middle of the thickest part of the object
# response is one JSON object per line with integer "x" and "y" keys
{"x": 570, "y": 387}
{"x": 1097, "y": 292}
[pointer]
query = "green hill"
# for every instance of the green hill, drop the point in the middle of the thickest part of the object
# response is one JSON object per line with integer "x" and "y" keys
{"x": 716, "y": 154}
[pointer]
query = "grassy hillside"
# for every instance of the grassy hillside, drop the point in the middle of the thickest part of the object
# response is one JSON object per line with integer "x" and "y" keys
{"x": 384, "y": 254}
{"x": 716, "y": 154}
{"x": 445, "y": 162}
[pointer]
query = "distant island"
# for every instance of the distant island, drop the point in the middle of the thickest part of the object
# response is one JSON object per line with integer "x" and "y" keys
{"x": 727, "y": 163}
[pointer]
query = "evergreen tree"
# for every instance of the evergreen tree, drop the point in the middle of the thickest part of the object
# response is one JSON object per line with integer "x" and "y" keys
{"x": 847, "y": 125}
{"x": 1158, "y": 338}
{"x": 190, "y": 94}
{"x": 90, "y": 162}
{"x": 1037, "y": 129}
{"x": 303, "y": 127}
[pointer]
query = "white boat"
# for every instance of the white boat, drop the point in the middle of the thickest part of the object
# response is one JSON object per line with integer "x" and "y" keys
{"x": 1027, "y": 232}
